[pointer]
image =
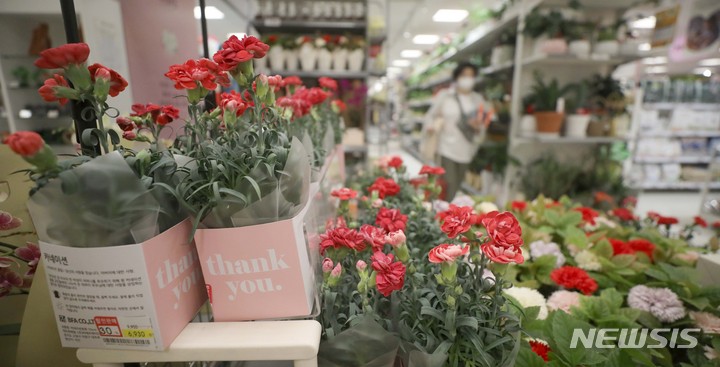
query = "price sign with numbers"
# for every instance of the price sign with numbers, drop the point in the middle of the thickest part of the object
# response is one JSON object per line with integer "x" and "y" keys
{"x": 108, "y": 326}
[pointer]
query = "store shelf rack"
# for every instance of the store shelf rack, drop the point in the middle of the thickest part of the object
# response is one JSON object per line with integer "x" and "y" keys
{"x": 317, "y": 74}
{"x": 270, "y": 25}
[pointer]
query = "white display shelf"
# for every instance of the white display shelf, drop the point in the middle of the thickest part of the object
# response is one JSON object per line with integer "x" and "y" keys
{"x": 497, "y": 68}
{"x": 570, "y": 60}
{"x": 319, "y": 73}
{"x": 679, "y": 159}
{"x": 681, "y": 134}
{"x": 679, "y": 185}
{"x": 671, "y": 106}
{"x": 432, "y": 84}
{"x": 290, "y": 25}
{"x": 568, "y": 140}
{"x": 296, "y": 341}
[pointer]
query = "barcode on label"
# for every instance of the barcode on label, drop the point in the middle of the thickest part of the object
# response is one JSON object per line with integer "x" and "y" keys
{"x": 126, "y": 341}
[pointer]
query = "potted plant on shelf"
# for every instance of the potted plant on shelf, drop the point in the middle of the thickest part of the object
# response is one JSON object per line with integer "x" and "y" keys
{"x": 325, "y": 45}
{"x": 504, "y": 51}
{"x": 272, "y": 40}
{"x": 548, "y": 30}
{"x": 548, "y": 108}
{"x": 607, "y": 40}
{"x": 528, "y": 125}
{"x": 579, "y": 118}
{"x": 356, "y": 53}
{"x": 307, "y": 52}
{"x": 608, "y": 101}
{"x": 579, "y": 39}
{"x": 292, "y": 53}
{"x": 276, "y": 55}
{"x": 340, "y": 53}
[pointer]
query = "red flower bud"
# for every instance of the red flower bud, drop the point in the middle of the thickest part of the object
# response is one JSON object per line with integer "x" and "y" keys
{"x": 25, "y": 143}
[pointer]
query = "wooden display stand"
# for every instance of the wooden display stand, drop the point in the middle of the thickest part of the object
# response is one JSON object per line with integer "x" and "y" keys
{"x": 296, "y": 341}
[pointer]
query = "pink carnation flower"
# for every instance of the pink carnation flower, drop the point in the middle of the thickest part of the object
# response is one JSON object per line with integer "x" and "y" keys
{"x": 563, "y": 300}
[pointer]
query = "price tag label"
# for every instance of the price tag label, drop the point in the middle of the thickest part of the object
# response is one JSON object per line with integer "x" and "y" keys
{"x": 137, "y": 333}
{"x": 108, "y": 326}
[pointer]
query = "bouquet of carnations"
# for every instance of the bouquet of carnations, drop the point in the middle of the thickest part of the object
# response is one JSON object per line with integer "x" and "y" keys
{"x": 405, "y": 284}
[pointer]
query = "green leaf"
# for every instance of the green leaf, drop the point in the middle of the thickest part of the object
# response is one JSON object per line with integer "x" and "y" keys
{"x": 429, "y": 311}
{"x": 604, "y": 249}
{"x": 657, "y": 274}
{"x": 700, "y": 303}
{"x": 575, "y": 235}
{"x": 623, "y": 261}
{"x": 527, "y": 358}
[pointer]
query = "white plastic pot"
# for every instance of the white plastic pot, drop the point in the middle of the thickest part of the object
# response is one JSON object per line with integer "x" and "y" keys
{"x": 551, "y": 46}
{"x": 502, "y": 54}
{"x": 308, "y": 57}
{"x": 291, "y": 60}
{"x": 277, "y": 58}
{"x": 325, "y": 59}
{"x": 356, "y": 59}
{"x": 340, "y": 59}
{"x": 580, "y": 48}
{"x": 576, "y": 125}
{"x": 607, "y": 48}
{"x": 528, "y": 125}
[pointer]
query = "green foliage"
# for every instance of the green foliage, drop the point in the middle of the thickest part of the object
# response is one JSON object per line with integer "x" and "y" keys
{"x": 545, "y": 95}
{"x": 550, "y": 23}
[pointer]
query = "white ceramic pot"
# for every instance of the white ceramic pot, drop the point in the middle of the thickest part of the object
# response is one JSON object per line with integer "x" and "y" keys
{"x": 277, "y": 58}
{"x": 551, "y": 46}
{"x": 576, "y": 125}
{"x": 261, "y": 65}
{"x": 502, "y": 54}
{"x": 528, "y": 126}
{"x": 607, "y": 48}
{"x": 308, "y": 57}
{"x": 356, "y": 59}
{"x": 291, "y": 60}
{"x": 325, "y": 59}
{"x": 580, "y": 48}
{"x": 340, "y": 59}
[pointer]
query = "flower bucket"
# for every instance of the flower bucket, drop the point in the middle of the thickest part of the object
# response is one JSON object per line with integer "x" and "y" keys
{"x": 325, "y": 59}
{"x": 502, "y": 54}
{"x": 577, "y": 125}
{"x": 551, "y": 46}
{"x": 549, "y": 123}
{"x": 580, "y": 48}
{"x": 528, "y": 125}
{"x": 340, "y": 59}
{"x": 308, "y": 57}
{"x": 125, "y": 297}
{"x": 261, "y": 65}
{"x": 291, "y": 60}
{"x": 276, "y": 55}
{"x": 356, "y": 59}
{"x": 607, "y": 48}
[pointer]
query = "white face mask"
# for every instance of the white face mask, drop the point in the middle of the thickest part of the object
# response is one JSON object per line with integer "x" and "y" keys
{"x": 466, "y": 83}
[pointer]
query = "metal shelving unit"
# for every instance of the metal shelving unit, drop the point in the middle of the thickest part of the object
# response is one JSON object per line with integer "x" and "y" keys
{"x": 290, "y": 26}
{"x": 318, "y": 73}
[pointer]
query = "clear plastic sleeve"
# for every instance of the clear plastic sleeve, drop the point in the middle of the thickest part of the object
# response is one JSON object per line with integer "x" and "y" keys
{"x": 365, "y": 344}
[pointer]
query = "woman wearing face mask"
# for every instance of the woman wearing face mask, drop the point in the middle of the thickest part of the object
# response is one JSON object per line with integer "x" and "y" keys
{"x": 459, "y": 117}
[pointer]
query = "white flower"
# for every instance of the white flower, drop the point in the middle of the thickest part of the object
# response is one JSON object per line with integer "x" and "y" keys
{"x": 528, "y": 297}
{"x": 427, "y": 206}
{"x": 600, "y": 222}
{"x": 441, "y": 205}
{"x": 587, "y": 260}
{"x": 463, "y": 200}
{"x": 563, "y": 300}
{"x": 486, "y": 207}
{"x": 541, "y": 248}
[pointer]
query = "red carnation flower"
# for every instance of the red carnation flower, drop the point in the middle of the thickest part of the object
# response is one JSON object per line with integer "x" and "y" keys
{"x": 328, "y": 83}
{"x": 344, "y": 194}
{"x": 666, "y": 221}
{"x": 292, "y": 80}
{"x": 629, "y": 201}
{"x": 642, "y": 245}
{"x": 125, "y": 124}
{"x": 197, "y": 73}
{"x": 603, "y": 197}
{"x": 62, "y": 56}
{"x": 716, "y": 225}
{"x": 374, "y": 236}
{"x": 430, "y": 170}
{"x": 505, "y": 235}
{"x": 457, "y": 220}
{"x": 48, "y": 91}
{"x": 385, "y": 187}
{"x": 623, "y": 214}
{"x": 341, "y": 106}
{"x": 233, "y": 103}
{"x": 447, "y": 253}
{"x": 161, "y": 115}
{"x": 391, "y": 220}
{"x": 117, "y": 82}
{"x": 620, "y": 247}
{"x": 390, "y": 275}
{"x": 540, "y": 349}
{"x": 315, "y": 96}
{"x": 235, "y": 51}
{"x": 341, "y": 237}
{"x": 571, "y": 277}
{"x": 699, "y": 221}
{"x": 25, "y": 143}
{"x": 588, "y": 215}
{"x": 395, "y": 162}
{"x": 518, "y": 205}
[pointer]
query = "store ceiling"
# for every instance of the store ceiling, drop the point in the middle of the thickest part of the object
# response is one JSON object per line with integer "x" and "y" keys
{"x": 408, "y": 18}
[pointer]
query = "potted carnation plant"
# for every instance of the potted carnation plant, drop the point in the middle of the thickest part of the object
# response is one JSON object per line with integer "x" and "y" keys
{"x": 307, "y": 52}
{"x": 340, "y": 53}
{"x": 276, "y": 55}
{"x": 356, "y": 53}
{"x": 546, "y": 97}
{"x": 579, "y": 118}
{"x": 292, "y": 54}
{"x": 325, "y": 45}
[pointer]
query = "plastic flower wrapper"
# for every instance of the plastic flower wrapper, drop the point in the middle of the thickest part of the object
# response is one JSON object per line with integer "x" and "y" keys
{"x": 365, "y": 344}
{"x": 97, "y": 204}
